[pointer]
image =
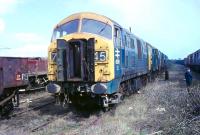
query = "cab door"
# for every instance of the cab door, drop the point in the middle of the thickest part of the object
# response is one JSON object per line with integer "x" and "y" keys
{"x": 117, "y": 50}
{"x": 125, "y": 52}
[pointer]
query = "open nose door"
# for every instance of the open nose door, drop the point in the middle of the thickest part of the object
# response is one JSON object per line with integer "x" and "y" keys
{"x": 90, "y": 59}
{"x": 62, "y": 51}
{"x": 75, "y": 60}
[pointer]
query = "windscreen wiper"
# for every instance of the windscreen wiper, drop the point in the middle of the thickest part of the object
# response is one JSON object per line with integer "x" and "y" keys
{"x": 102, "y": 29}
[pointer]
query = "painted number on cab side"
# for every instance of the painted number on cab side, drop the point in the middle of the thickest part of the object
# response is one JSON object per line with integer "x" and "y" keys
{"x": 100, "y": 56}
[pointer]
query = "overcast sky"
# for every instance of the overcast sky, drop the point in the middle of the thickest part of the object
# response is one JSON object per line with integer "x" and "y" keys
{"x": 173, "y": 26}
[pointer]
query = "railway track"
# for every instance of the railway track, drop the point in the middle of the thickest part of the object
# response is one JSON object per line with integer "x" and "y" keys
{"x": 32, "y": 108}
{"x": 78, "y": 116}
{"x": 32, "y": 99}
{"x": 31, "y": 90}
{"x": 23, "y": 114}
{"x": 29, "y": 100}
{"x": 86, "y": 125}
{"x": 66, "y": 117}
{"x": 39, "y": 124}
{"x": 33, "y": 95}
{"x": 45, "y": 124}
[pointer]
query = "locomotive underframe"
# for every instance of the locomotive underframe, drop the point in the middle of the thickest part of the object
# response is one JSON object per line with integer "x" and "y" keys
{"x": 81, "y": 93}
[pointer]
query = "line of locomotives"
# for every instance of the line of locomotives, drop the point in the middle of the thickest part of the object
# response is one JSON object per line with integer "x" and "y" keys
{"x": 193, "y": 61}
{"x": 19, "y": 73}
{"x": 91, "y": 58}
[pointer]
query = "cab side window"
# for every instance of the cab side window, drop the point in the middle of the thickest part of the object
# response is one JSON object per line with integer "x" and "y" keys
{"x": 128, "y": 41}
{"x": 117, "y": 36}
{"x": 125, "y": 40}
{"x": 132, "y": 43}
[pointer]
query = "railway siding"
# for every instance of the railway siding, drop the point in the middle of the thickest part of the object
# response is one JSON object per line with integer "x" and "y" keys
{"x": 162, "y": 107}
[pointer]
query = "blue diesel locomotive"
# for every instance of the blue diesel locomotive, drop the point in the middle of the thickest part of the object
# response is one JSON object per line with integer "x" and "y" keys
{"x": 92, "y": 56}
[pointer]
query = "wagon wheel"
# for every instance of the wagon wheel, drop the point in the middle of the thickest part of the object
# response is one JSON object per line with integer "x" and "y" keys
{"x": 6, "y": 109}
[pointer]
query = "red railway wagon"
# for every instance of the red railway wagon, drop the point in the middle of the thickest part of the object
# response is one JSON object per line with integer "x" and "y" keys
{"x": 37, "y": 66}
{"x": 13, "y": 73}
{"x": 19, "y": 73}
{"x": 37, "y": 72}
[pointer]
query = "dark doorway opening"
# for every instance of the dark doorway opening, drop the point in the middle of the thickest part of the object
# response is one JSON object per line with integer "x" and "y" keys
{"x": 75, "y": 59}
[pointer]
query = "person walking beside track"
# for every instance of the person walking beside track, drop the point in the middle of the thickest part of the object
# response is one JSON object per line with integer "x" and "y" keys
{"x": 188, "y": 79}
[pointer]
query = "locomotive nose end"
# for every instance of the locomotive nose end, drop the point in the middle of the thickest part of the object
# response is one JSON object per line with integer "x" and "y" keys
{"x": 53, "y": 88}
